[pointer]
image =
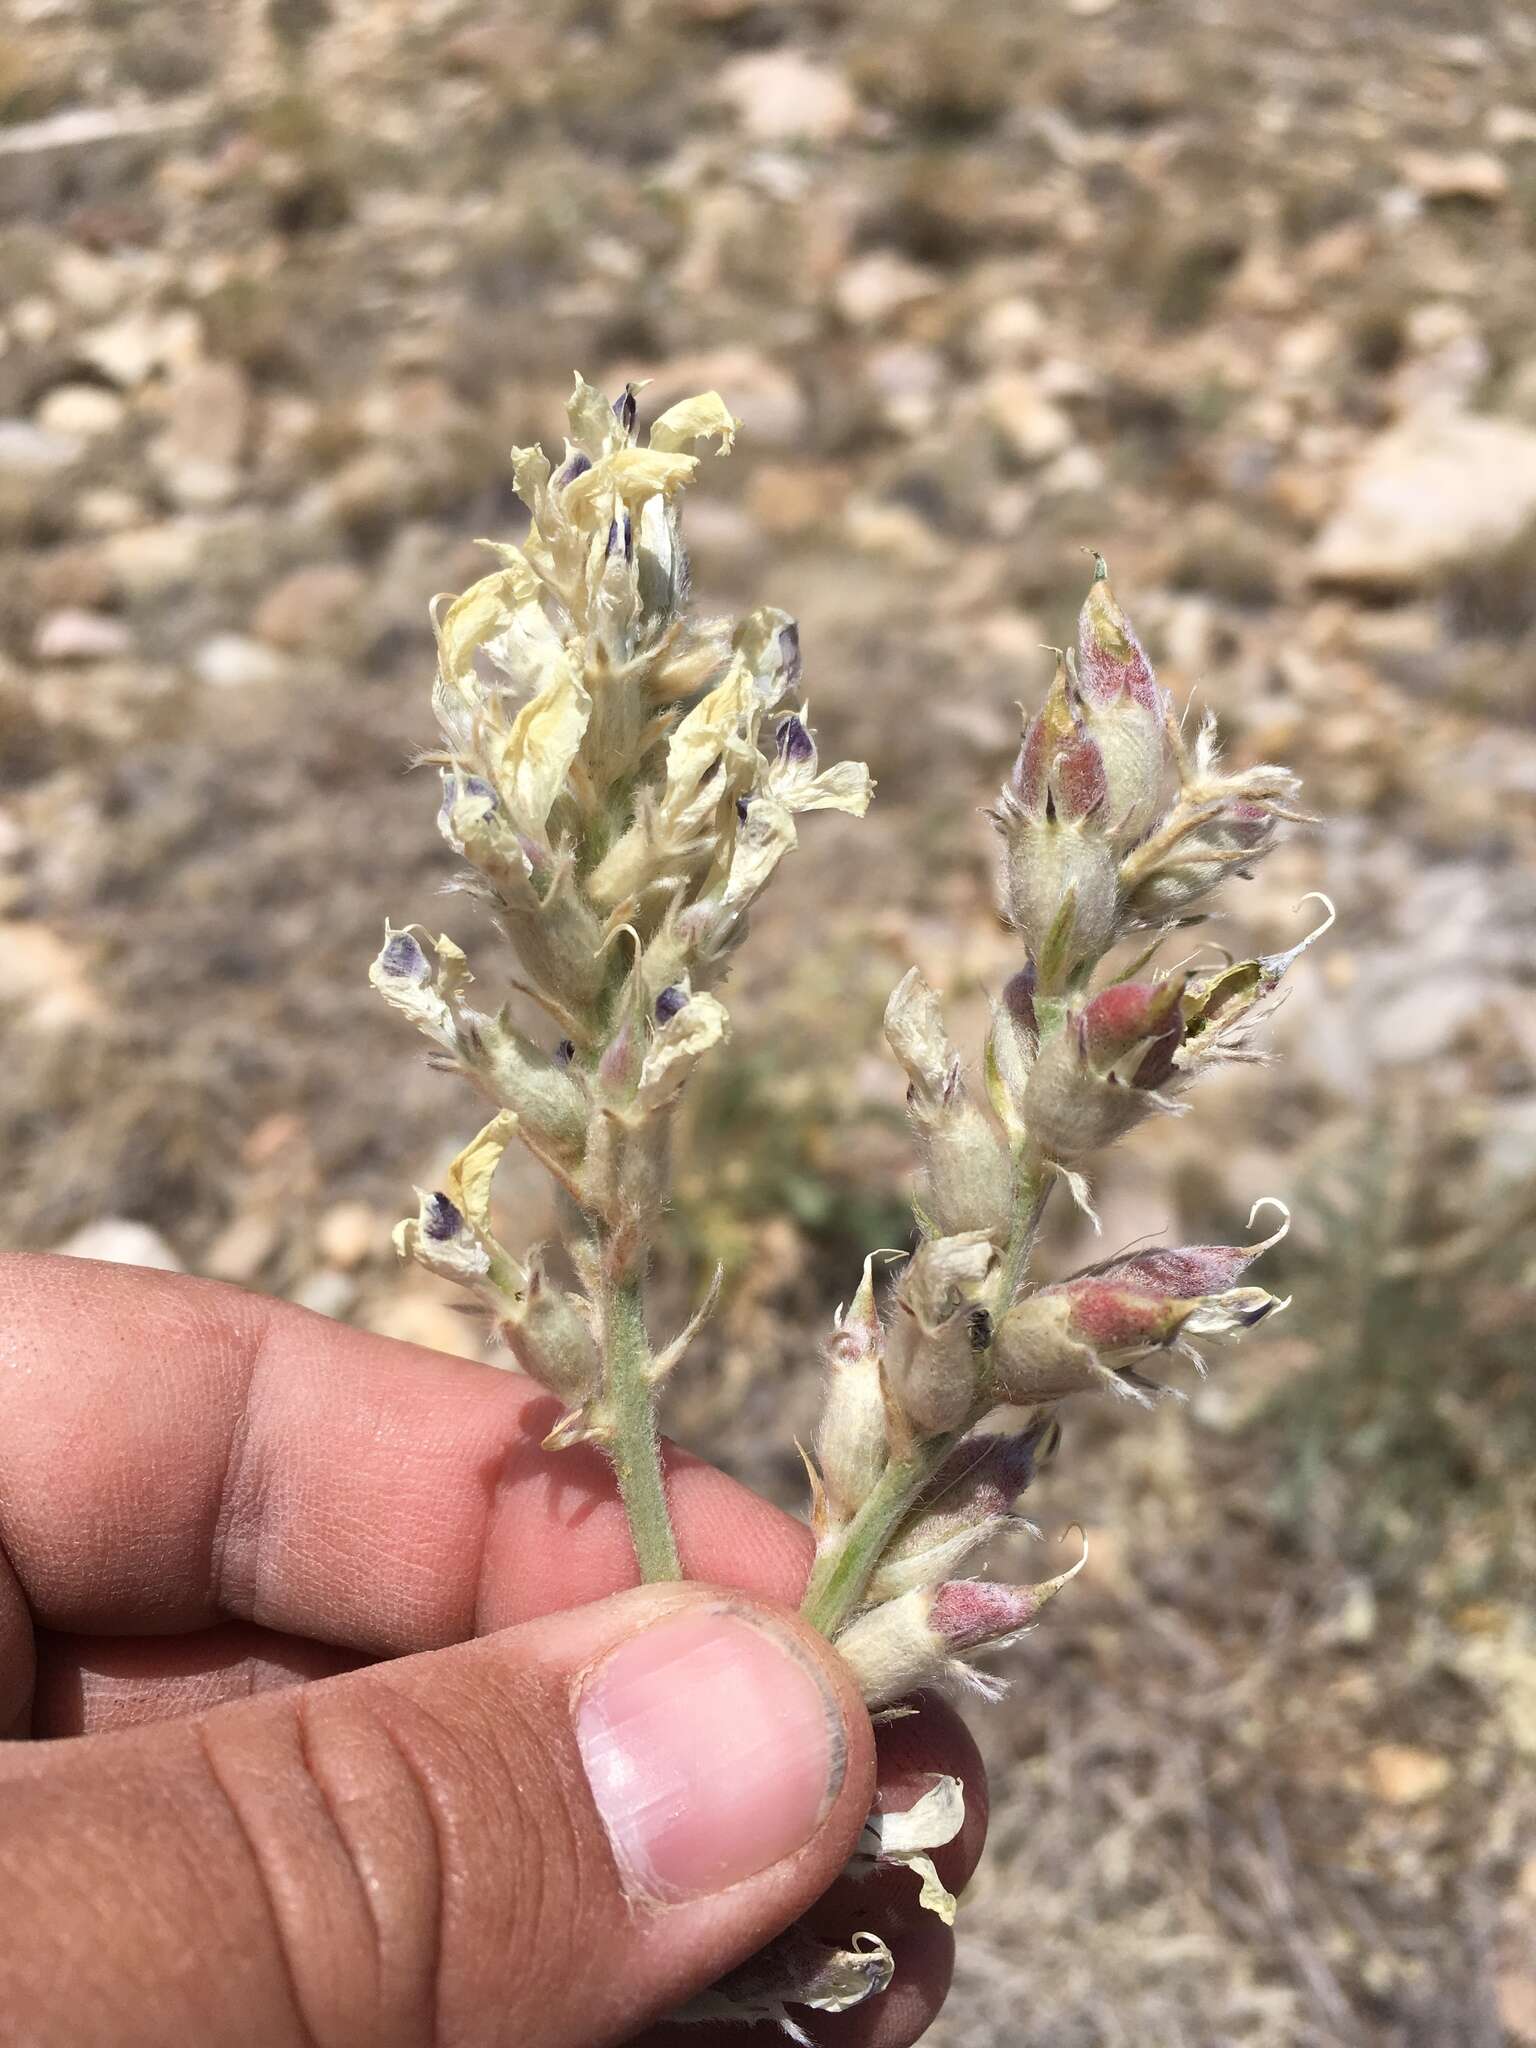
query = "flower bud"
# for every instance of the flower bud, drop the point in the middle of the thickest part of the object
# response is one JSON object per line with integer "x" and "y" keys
{"x": 1090, "y": 1329}
{"x": 969, "y": 1501}
{"x": 1125, "y": 712}
{"x": 769, "y": 642}
{"x": 1099, "y": 1075}
{"x": 1131, "y": 1031}
{"x": 1037, "y": 1358}
{"x": 1059, "y": 888}
{"x": 967, "y": 1177}
{"x": 851, "y": 1441}
{"x": 688, "y": 1031}
{"x": 549, "y": 1102}
{"x": 550, "y": 1336}
{"x": 920, "y": 1639}
{"x": 936, "y": 1347}
{"x": 1059, "y": 773}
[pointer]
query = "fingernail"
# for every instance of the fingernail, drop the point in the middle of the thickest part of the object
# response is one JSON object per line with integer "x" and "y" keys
{"x": 713, "y": 1747}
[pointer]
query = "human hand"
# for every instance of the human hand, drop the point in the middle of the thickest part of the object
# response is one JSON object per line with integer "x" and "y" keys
{"x": 375, "y": 1747}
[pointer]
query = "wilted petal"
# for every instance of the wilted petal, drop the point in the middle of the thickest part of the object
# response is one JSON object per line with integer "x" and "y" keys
{"x": 848, "y": 786}
{"x": 720, "y": 729}
{"x": 468, "y": 1181}
{"x": 906, "y": 1838}
{"x": 594, "y": 428}
{"x": 678, "y": 1047}
{"x": 630, "y": 476}
{"x": 797, "y": 1969}
{"x": 763, "y": 838}
{"x": 704, "y": 418}
{"x": 406, "y": 979}
{"x": 545, "y": 739}
{"x": 487, "y": 608}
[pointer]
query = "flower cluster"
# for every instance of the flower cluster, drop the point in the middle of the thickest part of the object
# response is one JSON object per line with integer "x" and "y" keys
{"x": 621, "y": 777}
{"x": 1115, "y": 831}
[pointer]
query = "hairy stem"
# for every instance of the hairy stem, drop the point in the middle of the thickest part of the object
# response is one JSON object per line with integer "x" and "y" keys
{"x": 845, "y": 1568}
{"x": 634, "y": 1447}
{"x": 1033, "y": 1192}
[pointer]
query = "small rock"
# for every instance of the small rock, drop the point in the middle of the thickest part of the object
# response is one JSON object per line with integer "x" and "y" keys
{"x": 1472, "y": 174}
{"x": 276, "y": 1136}
{"x": 107, "y": 508}
{"x": 1030, "y": 426}
{"x": 233, "y": 661}
{"x": 875, "y": 286}
{"x": 796, "y": 498}
{"x": 241, "y": 1248}
{"x": 83, "y": 410}
{"x": 198, "y": 456}
{"x": 92, "y": 284}
{"x": 1008, "y": 331}
{"x": 46, "y": 976}
{"x": 129, "y": 350}
{"x": 781, "y": 96}
{"x": 74, "y": 577}
{"x": 312, "y": 607}
{"x": 74, "y": 635}
{"x": 326, "y": 1292}
{"x": 1400, "y": 1775}
{"x": 121, "y": 1242}
{"x": 34, "y": 320}
{"x": 349, "y": 1233}
{"x": 1351, "y": 1619}
{"x": 880, "y": 526}
{"x": 1437, "y": 491}
{"x": 1507, "y": 124}
{"x": 147, "y": 561}
{"x": 29, "y": 450}
{"x": 1077, "y": 471}
{"x": 910, "y": 380}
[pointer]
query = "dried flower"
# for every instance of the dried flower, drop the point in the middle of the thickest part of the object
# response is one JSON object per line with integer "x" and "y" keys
{"x": 622, "y": 778}
{"x": 967, "y": 1178}
{"x": 612, "y": 782}
{"x": 942, "y": 1327}
{"x": 923, "y": 1637}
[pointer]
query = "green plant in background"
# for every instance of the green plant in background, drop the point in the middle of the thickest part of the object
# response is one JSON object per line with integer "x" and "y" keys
{"x": 622, "y": 777}
{"x": 1424, "y": 1264}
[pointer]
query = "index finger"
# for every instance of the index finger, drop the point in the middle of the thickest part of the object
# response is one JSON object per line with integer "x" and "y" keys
{"x": 176, "y": 1452}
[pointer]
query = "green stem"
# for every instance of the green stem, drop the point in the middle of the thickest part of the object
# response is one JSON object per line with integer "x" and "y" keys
{"x": 635, "y": 1447}
{"x": 845, "y": 1567}
{"x": 1034, "y": 1192}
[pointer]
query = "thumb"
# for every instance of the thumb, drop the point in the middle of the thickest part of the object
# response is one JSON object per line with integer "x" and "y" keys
{"x": 546, "y": 1837}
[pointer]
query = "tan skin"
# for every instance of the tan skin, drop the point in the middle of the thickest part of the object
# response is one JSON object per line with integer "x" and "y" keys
{"x": 289, "y": 1779}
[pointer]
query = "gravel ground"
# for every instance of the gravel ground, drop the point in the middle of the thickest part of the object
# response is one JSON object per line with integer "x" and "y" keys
{"x": 1242, "y": 298}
